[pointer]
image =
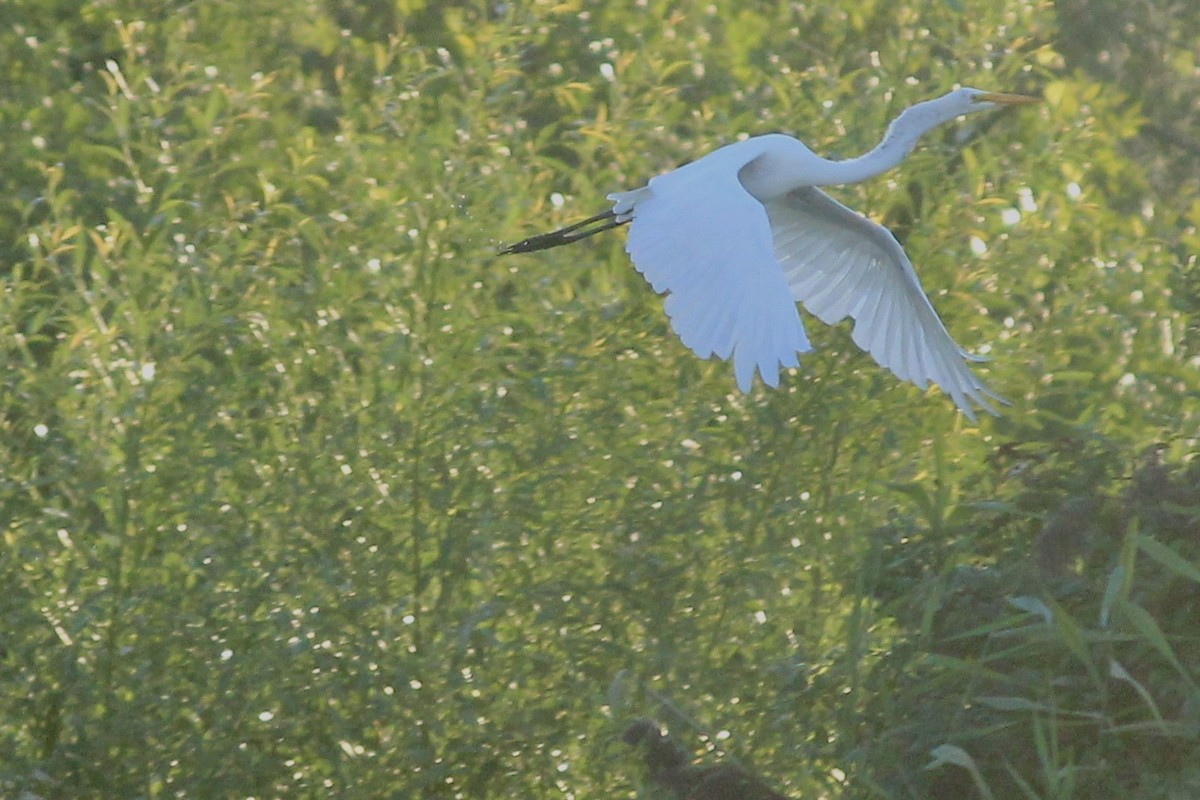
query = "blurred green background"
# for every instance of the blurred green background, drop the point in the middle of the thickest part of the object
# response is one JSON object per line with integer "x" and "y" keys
{"x": 306, "y": 493}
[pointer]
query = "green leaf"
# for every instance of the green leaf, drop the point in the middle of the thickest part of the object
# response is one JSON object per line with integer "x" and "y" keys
{"x": 1011, "y": 703}
{"x": 1115, "y": 589}
{"x": 1152, "y": 633}
{"x": 953, "y": 754}
{"x": 1168, "y": 558}
{"x": 1116, "y": 670}
{"x": 1034, "y": 606}
{"x": 1072, "y": 635}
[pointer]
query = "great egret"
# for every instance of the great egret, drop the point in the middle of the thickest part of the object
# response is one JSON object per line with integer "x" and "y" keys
{"x": 737, "y": 237}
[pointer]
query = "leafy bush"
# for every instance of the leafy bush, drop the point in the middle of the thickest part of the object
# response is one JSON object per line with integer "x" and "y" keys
{"x": 306, "y": 493}
{"x": 1068, "y": 673}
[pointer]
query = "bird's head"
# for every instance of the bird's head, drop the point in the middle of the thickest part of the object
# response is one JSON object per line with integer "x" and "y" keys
{"x": 662, "y": 753}
{"x": 917, "y": 119}
{"x": 641, "y": 731}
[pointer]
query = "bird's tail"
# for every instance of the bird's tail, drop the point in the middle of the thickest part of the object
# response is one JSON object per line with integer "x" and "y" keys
{"x": 625, "y": 202}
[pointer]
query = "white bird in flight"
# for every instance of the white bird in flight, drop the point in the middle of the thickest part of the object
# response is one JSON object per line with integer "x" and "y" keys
{"x": 736, "y": 238}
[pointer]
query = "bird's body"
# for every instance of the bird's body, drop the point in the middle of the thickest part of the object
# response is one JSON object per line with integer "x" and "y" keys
{"x": 668, "y": 766}
{"x": 736, "y": 238}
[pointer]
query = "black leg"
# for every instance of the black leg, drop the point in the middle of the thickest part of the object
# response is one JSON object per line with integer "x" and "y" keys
{"x": 572, "y": 233}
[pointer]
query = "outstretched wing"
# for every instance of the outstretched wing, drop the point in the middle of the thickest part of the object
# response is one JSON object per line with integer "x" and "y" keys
{"x": 700, "y": 237}
{"x": 840, "y": 264}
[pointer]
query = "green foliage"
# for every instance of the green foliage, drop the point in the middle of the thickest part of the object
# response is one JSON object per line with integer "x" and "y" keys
{"x": 1038, "y": 679}
{"x": 305, "y": 493}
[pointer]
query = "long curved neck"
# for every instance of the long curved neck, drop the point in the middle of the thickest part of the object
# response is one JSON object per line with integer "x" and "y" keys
{"x": 901, "y": 137}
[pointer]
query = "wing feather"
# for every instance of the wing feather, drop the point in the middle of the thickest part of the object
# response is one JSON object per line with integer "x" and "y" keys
{"x": 840, "y": 264}
{"x": 733, "y": 266}
{"x": 698, "y": 236}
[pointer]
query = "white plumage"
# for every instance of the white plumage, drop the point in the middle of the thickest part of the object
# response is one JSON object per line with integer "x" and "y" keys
{"x": 736, "y": 238}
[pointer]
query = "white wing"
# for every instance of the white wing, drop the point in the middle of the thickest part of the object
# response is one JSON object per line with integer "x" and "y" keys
{"x": 841, "y": 264}
{"x": 699, "y": 236}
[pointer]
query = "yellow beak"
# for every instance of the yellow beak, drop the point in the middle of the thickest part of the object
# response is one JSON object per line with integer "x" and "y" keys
{"x": 1002, "y": 99}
